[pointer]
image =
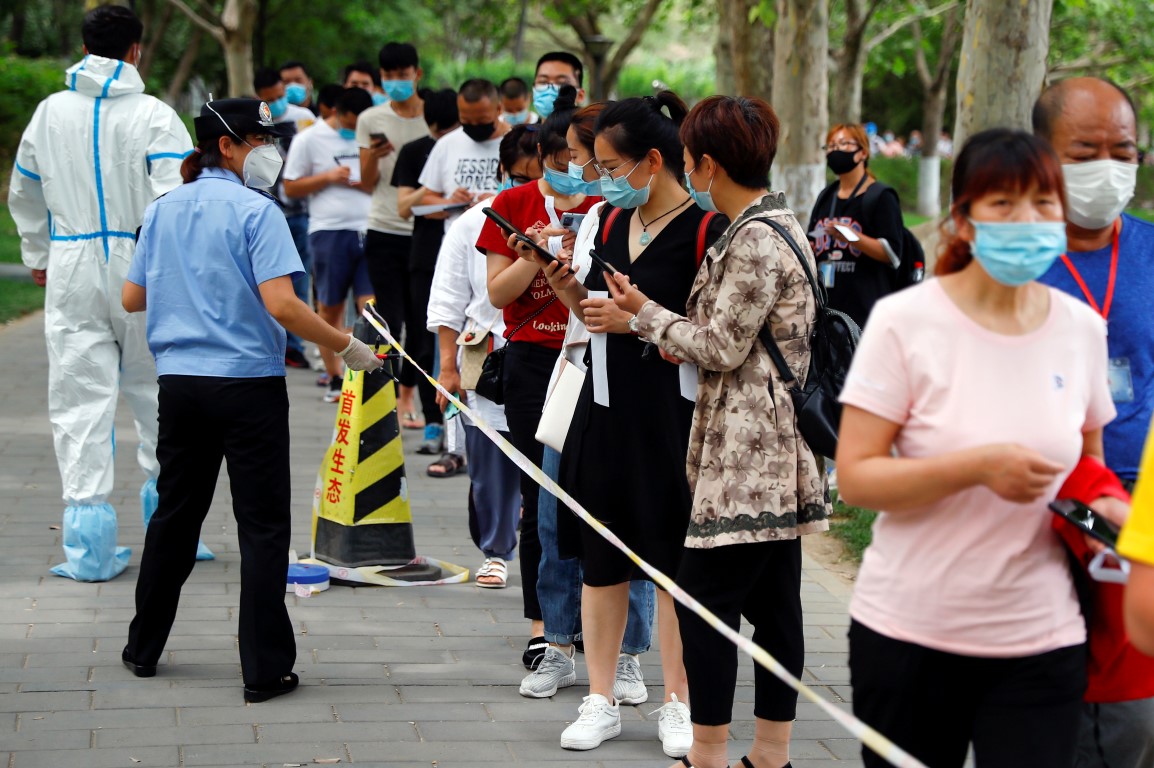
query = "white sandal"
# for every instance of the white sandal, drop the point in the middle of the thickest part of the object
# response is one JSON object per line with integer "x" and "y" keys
{"x": 493, "y": 568}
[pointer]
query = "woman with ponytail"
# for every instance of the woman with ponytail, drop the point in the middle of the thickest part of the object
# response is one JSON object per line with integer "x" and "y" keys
{"x": 624, "y": 458}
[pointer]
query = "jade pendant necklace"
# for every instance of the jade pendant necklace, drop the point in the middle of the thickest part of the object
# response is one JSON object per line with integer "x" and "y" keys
{"x": 645, "y": 238}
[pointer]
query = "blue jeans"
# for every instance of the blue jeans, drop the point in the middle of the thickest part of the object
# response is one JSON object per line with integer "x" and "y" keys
{"x": 299, "y": 227}
{"x": 559, "y": 581}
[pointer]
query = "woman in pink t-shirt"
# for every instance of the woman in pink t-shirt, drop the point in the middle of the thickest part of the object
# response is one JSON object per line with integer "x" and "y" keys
{"x": 970, "y": 399}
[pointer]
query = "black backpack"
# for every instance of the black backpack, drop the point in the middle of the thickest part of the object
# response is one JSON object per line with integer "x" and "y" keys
{"x": 913, "y": 256}
{"x": 832, "y": 343}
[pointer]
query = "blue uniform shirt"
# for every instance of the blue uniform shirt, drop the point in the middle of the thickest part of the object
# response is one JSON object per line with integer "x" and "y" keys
{"x": 1131, "y": 332}
{"x": 204, "y": 249}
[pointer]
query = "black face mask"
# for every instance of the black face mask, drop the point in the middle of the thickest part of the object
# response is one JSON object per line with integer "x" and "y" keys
{"x": 481, "y": 132}
{"x": 841, "y": 161}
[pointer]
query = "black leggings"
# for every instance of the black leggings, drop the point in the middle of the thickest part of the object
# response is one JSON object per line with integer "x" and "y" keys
{"x": 526, "y": 378}
{"x": 762, "y": 582}
{"x": 1017, "y": 711}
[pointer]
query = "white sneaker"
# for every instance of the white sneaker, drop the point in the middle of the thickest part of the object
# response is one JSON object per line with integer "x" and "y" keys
{"x": 629, "y": 686}
{"x": 674, "y": 728}
{"x": 599, "y": 720}
{"x": 556, "y": 670}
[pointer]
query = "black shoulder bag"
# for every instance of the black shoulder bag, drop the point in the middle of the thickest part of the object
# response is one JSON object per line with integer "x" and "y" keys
{"x": 832, "y": 343}
{"x": 491, "y": 383}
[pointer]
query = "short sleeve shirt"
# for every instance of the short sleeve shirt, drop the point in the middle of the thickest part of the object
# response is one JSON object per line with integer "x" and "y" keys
{"x": 458, "y": 162}
{"x": 974, "y": 574}
{"x": 855, "y": 282}
{"x": 427, "y": 233}
{"x": 204, "y": 250}
{"x": 337, "y": 207}
{"x": 383, "y": 216}
{"x": 524, "y": 208}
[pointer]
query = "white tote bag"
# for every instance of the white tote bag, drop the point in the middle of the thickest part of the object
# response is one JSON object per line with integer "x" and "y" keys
{"x": 560, "y": 404}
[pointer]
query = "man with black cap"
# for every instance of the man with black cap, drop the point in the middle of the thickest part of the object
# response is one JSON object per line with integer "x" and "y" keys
{"x": 215, "y": 260}
{"x": 91, "y": 159}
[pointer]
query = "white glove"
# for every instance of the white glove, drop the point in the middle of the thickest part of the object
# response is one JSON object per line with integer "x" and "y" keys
{"x": 359, "y": 356}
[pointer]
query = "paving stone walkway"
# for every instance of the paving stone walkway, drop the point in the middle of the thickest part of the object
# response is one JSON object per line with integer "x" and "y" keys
{"x": 420, "y": 676}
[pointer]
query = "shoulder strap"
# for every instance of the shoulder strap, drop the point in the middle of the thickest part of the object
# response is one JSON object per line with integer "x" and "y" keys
{"x": 702, "y": 233}
{"x": 870, "y": 197}
{"x": 610, "y": 217}
{"x": 764, "y": 335}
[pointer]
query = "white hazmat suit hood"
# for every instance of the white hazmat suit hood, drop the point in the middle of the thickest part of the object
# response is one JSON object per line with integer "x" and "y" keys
{"x": 90, "y": 161}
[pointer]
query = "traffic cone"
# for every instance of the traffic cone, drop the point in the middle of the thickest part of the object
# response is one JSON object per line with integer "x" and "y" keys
{"x": 361, "y": 514}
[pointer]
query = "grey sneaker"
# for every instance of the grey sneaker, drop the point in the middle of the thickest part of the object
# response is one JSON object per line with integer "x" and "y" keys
{"x": 599, "y": 720}
{"x": 629, "y": 686}
{"x": 556, "y": 670}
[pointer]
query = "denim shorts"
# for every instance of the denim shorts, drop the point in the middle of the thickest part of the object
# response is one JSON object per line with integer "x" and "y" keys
{"x": 339, "y": 264}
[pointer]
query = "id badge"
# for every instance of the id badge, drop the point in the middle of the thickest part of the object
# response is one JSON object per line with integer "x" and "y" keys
{"x": 827, "y": 273}
{"x": 1120, "y": 380}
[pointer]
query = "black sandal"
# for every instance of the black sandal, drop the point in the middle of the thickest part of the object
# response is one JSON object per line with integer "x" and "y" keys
{"x": 451, "y": 464}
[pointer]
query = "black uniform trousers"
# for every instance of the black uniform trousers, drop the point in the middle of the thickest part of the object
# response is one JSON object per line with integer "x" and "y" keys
{"x": 203, "y": 420}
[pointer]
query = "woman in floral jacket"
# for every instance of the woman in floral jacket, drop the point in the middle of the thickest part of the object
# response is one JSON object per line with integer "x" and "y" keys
{"x": 757, "y": 486}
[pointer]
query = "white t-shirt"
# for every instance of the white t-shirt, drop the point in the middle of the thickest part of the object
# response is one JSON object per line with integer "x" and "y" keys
{"x": 337, "y": 206}
{"x": 457, "y": 161}
{"x": 383, "y": 216}
{"x": 974, "y": 574}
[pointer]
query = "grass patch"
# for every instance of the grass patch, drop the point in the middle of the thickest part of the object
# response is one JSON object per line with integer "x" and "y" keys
{"x": 1145, "y": 214}
{"x": 9, "y": 240}
{"x": 853, "y": 526}
{"x": 18, "y": 298}
{"x": 912, "y": 220}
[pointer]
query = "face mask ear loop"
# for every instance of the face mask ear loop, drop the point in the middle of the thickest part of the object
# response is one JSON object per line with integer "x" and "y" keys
{"x": 227, "y": 127}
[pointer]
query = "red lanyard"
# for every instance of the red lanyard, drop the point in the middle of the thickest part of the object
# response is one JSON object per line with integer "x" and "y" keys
{"x": 1104, "y": 310}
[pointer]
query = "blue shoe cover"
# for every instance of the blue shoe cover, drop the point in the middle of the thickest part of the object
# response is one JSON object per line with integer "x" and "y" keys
{"x": 203, "y": 552}
{"x": 90, "y": 550}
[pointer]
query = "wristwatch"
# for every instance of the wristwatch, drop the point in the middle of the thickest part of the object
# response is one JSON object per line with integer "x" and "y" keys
{"x": 633, "y": 325}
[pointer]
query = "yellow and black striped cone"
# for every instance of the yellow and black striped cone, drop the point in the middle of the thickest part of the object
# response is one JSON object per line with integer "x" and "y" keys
{"x": 362, "y": 516}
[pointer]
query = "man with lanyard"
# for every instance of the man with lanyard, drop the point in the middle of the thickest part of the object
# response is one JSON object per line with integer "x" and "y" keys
{"x": 1091, "y": 124}
{"x": 90, "y": 161}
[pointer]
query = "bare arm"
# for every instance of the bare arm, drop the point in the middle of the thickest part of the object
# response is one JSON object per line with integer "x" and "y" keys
{"x": 1139, "y": 607}
{"x": 133, "y": 297}
{"x": 450, "y": 375}
{"x": 370, "y": 163}
{"x": 508, "y": 279}
{"x": 309, "y": 185}
{"x": 294, "y": 315}
{"x": 869, "y": 475}
{"x": 407, "y": 197}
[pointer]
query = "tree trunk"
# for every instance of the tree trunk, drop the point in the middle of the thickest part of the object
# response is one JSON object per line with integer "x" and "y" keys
{"x": 1003, "y": 64}
{"x": 184, "y": 66}
{"x": 745, "y": 50}
{"x": 846, "y": 106}
{"x": 616, "y": 62}
{"x": 930, "y": 164}
{"x": 519, "y": 39}
{"x": 800, "y": 66}
{"x": 154, "y": 31}
{"x": 238, "y": 64}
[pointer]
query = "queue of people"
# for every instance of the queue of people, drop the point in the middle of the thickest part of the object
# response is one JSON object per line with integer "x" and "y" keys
{"x": 655, "y": 257}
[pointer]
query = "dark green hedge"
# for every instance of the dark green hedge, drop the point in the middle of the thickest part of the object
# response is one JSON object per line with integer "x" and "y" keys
{"x": 26, "y": 83}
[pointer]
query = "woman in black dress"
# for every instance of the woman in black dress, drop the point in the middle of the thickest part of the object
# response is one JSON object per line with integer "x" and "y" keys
{"x": 624, "y": 458}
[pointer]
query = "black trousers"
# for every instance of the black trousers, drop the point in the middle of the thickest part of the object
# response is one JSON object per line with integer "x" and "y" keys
{"x": 762, "y": 582}
{"x": 403, "y": 300}
{"x": 202, "y": 421}
{"x": 526, "y": 372}
{"x": 1017, "y": 711}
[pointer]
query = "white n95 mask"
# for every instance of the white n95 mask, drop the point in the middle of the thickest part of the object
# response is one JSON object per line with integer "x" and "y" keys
{"x": 262, "y": 166}
{"x": 1097, "y": 192}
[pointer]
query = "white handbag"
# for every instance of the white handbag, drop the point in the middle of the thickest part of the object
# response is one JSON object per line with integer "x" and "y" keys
{"x": 560, "y": 404}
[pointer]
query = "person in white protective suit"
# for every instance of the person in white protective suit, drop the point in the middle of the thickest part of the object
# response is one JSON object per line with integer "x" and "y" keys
{"x": 90, "y": 161}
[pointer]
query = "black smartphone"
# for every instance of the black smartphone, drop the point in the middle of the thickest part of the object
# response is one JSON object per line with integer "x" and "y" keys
{"x": 605, "y": 266}
{"x": 501, "y": 222}
{"x": 1087, "y": 519}
{"x": 378, "y": 138}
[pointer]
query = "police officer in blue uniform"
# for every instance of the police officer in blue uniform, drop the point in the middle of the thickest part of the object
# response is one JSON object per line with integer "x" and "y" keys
{"x": 214, "y": 263}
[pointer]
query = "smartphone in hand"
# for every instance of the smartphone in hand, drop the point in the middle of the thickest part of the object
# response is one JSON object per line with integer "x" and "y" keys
{"x": 572, "y": 221}
{"x": 378, "y": 139}
{"x": 1089, "y": 521}
{"x": 504, "y": 224}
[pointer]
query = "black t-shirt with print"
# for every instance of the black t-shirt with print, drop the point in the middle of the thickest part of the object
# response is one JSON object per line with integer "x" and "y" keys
{"x": 855, "y": 282}
{"x": 427, "y": 233}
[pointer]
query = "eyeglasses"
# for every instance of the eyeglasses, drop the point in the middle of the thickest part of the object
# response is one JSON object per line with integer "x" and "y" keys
{"x": 841, "y": 145}
{"x": 262, "y": 138}
{"x": 606, "y": 174}
{"x": 519, "y": 180}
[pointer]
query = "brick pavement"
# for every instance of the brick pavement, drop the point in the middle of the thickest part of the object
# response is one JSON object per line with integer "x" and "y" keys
{"x": 401, "y": 677}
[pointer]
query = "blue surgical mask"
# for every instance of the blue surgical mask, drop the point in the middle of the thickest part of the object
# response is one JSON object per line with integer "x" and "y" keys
{"x": 347, "y": 133}
{"x": 565, "y": 184}
{"x": 1016, "y": 252}
{"x": 578, "y": 172}
{"x": 278, "y": 107}
{"x": 398, "y": 90}
{"x": 379, "y": 99}
{"x": 543, "y": 98}
{"x": 619, "y": 193}
{"x": 515, "y": 118}
{"x": 704, "y": 199}
{"x": 506, "y": 184}
{"x": 296, "y": 93}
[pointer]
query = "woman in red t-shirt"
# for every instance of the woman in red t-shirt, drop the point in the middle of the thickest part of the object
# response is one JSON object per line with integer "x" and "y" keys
{"x": 535, "y": 324}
